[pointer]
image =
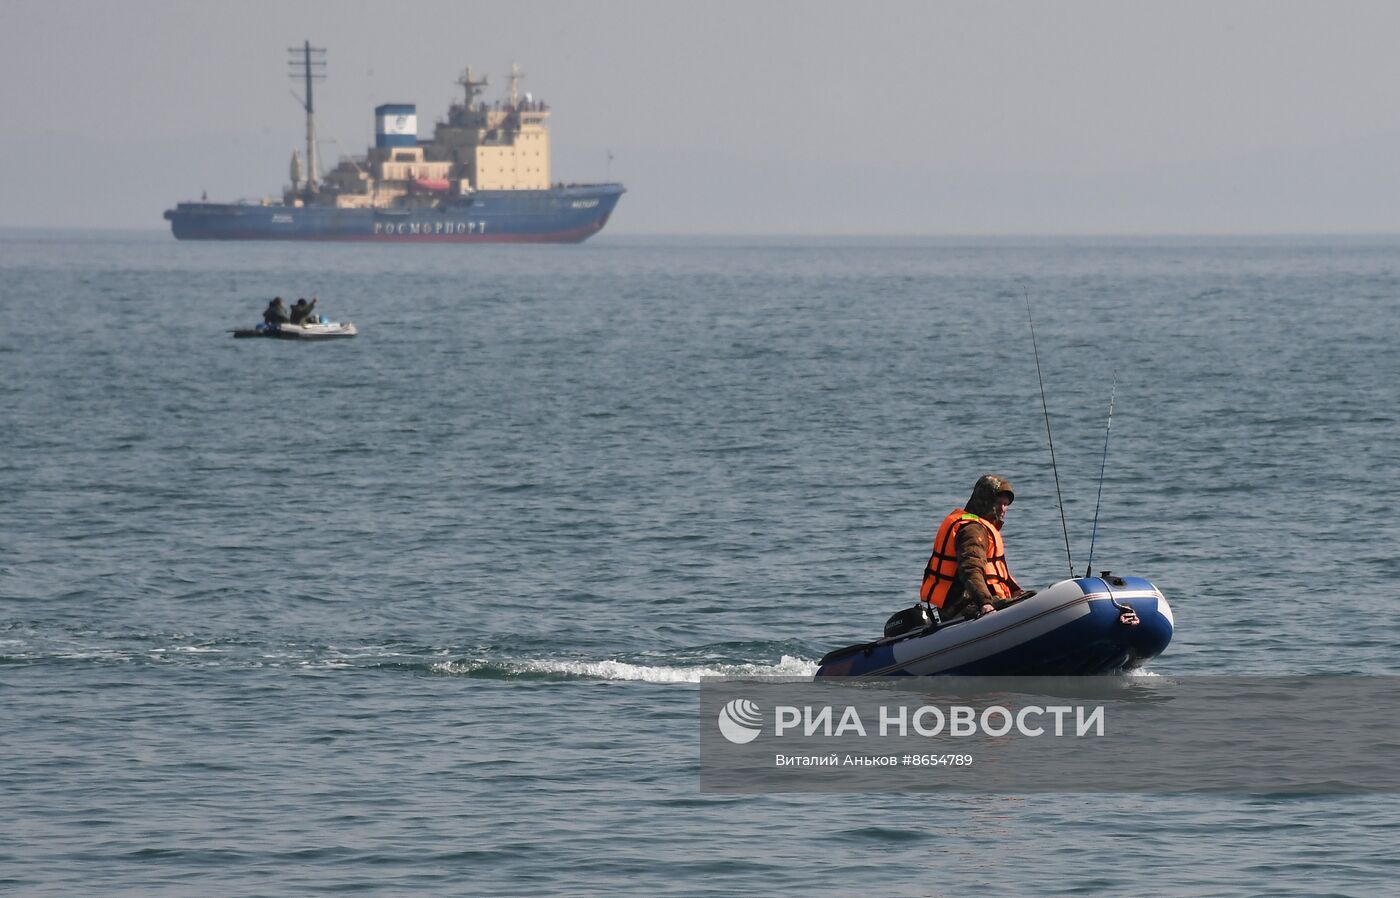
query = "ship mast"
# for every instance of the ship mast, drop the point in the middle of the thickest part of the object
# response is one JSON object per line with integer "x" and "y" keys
{"x": 309, "y": 70}
{"x": 472, "y": 87}
{"x": 515, "y": 76}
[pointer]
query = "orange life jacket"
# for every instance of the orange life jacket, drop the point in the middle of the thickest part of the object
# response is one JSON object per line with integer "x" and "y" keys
{"x": 942, "y": 567}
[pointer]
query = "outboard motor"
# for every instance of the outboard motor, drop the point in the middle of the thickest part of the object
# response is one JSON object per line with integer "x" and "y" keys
{"x": 922, "y": 616}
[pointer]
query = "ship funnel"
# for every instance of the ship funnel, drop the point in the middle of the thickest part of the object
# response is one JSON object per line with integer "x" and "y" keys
{"x": 395, "y": 125}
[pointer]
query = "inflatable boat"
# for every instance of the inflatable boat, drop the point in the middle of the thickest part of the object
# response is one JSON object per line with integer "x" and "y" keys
{"x": 321, "y": 330}
{"x": 1092, "y": 625}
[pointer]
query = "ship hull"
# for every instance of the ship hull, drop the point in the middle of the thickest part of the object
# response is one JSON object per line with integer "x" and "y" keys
{"x": 557, "y": 215}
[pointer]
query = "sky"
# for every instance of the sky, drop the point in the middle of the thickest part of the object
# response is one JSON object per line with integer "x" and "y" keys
{"x": 975, "y": 117}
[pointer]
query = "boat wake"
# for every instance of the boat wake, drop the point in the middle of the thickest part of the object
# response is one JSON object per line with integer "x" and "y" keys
{"x": 500, "y": 661}
{"x": 552, "y": 669}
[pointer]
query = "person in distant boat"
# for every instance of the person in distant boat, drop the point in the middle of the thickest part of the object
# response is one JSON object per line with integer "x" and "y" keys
{"x": 276, "y": 312}
{"x": 967, "y": 576}
{"x": 301, "y": 310}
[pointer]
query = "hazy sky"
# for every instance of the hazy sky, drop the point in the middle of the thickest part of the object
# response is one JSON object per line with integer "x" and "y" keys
{"x": 745, "y": 117}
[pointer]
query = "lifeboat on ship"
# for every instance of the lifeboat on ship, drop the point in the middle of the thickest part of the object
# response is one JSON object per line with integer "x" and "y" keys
{"x": 432, "y": 185}
{"x": 1091, "y": 625}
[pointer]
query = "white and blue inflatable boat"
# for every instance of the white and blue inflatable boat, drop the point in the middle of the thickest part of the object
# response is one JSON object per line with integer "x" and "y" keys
{"x": 311, "y": 330}
{"x": 1083, "y": 626}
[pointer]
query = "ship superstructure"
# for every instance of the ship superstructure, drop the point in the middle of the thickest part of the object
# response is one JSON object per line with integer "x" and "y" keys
{"x": 484, "y": 175}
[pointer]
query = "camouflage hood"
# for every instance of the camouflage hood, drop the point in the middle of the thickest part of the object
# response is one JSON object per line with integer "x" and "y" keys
{"x": 984, "y": 495}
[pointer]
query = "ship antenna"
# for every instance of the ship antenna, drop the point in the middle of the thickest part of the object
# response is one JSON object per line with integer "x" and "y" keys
{"x": 1088, "y": 570}
{"x": 309, "y": 70}
{"x": 1050, "y": 439}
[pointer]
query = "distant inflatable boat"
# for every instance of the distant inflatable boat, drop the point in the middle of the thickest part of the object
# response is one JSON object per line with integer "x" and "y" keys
{"x": 327, "y": 330}
{"x": 1082, "y": 626}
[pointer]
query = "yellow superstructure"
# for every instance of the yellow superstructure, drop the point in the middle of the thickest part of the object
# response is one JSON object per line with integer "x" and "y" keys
{"x": 500, "y": 146}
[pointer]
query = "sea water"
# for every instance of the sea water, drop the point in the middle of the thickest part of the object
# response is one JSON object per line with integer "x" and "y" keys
{"x": 423, "y": 611}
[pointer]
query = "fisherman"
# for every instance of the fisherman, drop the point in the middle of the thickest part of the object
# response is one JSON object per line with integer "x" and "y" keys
{"x": 967, "y": 574}
{"x": 301, "y": 310}
{"x": 276, "y": 312}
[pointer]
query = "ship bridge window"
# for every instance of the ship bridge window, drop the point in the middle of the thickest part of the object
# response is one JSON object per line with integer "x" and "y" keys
{"x": 404, "y": 157}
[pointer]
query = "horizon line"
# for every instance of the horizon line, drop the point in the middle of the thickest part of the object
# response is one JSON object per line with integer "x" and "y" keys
{"x": 795, "y": 235}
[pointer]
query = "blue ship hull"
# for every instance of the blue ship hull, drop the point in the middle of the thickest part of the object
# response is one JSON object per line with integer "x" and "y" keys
{"x": 558, "y": 215}
{"x": 1072, "y": 628}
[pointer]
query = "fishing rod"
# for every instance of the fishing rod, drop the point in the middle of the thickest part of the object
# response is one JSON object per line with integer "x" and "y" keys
{"x": 1050, "y": 439}
{"x": 1088, "y": 570}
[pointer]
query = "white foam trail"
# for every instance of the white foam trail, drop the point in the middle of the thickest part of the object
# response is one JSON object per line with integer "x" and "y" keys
{"x": 788, "y": 666}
